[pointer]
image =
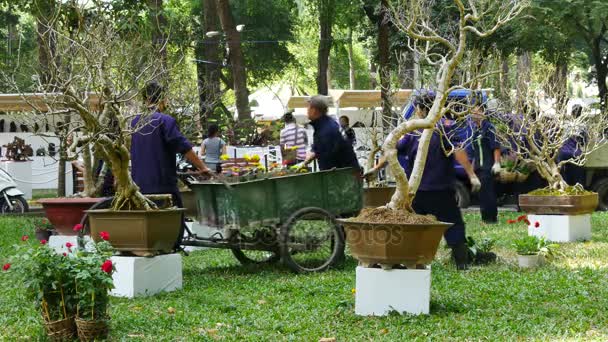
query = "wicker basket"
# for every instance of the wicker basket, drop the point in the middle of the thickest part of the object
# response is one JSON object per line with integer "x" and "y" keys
{"x": 90, "y": 330}
{"x": 61, "y": 330}
{"x": 507, "y": 176}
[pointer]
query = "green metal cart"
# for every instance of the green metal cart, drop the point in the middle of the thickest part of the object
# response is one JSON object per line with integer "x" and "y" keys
{"x": 289, "y": 218}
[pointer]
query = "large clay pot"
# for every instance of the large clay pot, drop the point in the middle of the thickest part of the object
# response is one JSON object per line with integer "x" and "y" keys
{"x": 391, "y": 244}
{"x": 562, "y": 205}
{"x": 138, "y": 231}
{"x": 65, "y": 213}
{"x": 377, "y": 196}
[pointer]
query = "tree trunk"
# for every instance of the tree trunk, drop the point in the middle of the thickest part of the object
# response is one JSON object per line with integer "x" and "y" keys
{"x": 351, "y": 61}
{"x": 560, "y": 84}
{"x": 159, "y": 39}
{"x": 61, "y": 171}
{"x": 601, "y": 67}
{"x": 326, "y": 16}
{"x": 524, "y": 71}
{"x": 89, "y": 182}
{"x": 237, "y": 60}
{"x": 208, "y": 65}
{"x": 373, "y": 72}
{"x": 407, "y": 70}
{"x": 383, "y": 62}
{"x": 505, "y": 85}
{"x": 47, "y": 40}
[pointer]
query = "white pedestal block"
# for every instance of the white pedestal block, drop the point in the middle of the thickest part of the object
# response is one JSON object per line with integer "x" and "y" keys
{"x": 21, "y": 173}
{"x": 140, "y": 276}
{"x": 378, "y": 291}
{"x": 561, "y": 228}
{"x": 57, "y": 242}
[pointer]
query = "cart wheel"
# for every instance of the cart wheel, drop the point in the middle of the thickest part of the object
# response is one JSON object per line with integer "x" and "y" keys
{"x": 311, "y": 241}
{"x": 247, "y": 257}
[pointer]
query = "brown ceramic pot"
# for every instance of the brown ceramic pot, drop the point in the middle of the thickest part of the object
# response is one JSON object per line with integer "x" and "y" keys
{"x": 559, "y": 205}
{"x": 138, "y": 231}
{"x": 65, "y": 213}
{"x": 390, "y": 244}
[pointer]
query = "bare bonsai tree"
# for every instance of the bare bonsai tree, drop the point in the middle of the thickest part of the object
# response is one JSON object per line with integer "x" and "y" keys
{"x": 444, "y": 48}
{"x": 540, "y": 126}
{"x": 111, "y": 66}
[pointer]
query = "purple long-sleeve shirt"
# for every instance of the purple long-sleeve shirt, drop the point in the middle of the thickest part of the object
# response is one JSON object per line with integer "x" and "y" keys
{"x": 153, "y": 153}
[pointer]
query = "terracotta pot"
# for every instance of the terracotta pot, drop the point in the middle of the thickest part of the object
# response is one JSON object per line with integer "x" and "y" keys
{"x": 43, "y": 234}
{"x": 529, "y": 261}
{"x": 377, "y": 196}
{"x": 65, "y": 213}
{"x": 391, "y": 244}
{"x": 563, "y": 205}
{"x": 138, "y": 231}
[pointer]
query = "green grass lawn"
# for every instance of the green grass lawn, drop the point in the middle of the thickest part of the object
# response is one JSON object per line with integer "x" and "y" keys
{"x": 567, "y": 300}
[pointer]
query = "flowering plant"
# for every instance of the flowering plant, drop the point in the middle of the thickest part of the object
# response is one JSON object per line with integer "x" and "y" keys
{"x": 43, "y": 224}
{"x": 93, "y": 279}
{"x": 533, "y": 245}
{"x": 48, "y": 278}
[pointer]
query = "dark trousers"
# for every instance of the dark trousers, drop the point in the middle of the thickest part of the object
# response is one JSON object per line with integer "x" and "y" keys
{"x": 573, "y": 174}
{"x": 487, "y": 196}
{"x": 442, "y": 204}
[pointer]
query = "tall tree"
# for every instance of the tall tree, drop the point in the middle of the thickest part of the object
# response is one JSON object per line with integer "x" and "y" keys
{"x": 237, "y": 62}
{"x": 326, "y": 9}
{"x": 158, "y": 21}
{"x": 208, "y": 63}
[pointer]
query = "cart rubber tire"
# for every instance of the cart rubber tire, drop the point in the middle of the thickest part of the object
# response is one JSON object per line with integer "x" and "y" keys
{"x": 337, "y": 244}
{"x": 601, "y": 187}
{"x": 463, "y": 195}
{"x": 242, "y": 257}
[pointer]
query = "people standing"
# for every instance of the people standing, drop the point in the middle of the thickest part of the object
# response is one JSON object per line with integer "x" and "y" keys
{"x": 329, "y": 147}
{"x": 436, "y": 194}
{"x": 293, "y": 136}
{"x": 347, "y": 132}
{"x": 486, "y": 156}
{"x": 212, "y": 149}
{"x": 154, "y": 144}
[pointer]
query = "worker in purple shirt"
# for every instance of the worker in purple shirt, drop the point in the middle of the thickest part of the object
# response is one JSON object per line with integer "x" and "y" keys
{"x": 329, "y": 147}
{"x": 571, "y": 149}
{"x": 436, "y": 195}
{"x": 154, "y": 144}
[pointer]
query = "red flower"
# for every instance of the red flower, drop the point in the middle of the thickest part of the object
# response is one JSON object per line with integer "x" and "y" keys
{"x": 104, "y": 236}
{"x": 43, "y": 242}
{"x": 65, "y": 254}
{"x": 536, "y": 224}
{"x": 511, "y": 221}
{"x": 107, "y": 266}
{"x": 68, "y": 245}
{"x": 521, "y": 218}
{"x": 77, "y": 227}
{"x": 6, "y": 267}
{"x": 45, "y": 221}
{"x": 527, "y": 221}
{"x": 24, "y": 238}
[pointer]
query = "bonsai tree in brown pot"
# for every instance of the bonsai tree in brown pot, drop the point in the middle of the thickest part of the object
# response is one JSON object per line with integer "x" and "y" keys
{"x": 112, "y": 66}
{"x": 556, "y": 140}
{"x": 393, "y": 234}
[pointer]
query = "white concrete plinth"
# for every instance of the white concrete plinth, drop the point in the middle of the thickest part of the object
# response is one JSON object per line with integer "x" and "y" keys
{"x": 378, "y": 291}
{"x": 141, "y": 276}
{"x": 58, "y": 242}
{"x": 22, "y": 175}
{"x": 561, "y": 228}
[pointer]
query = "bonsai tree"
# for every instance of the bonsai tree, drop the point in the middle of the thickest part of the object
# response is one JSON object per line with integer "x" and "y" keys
{"x": 544, "y": 134}
{"x": 107, "y": 68}
{"x": 443, "y": 47}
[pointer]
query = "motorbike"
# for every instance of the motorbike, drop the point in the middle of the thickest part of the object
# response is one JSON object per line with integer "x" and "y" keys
{"x": 11, "y": 198}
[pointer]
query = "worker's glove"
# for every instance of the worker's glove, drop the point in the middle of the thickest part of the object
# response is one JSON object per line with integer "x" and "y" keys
{"x": 475, "y": 184}
{"x": 496, "y": 168}
{"x": 370, "y": 175}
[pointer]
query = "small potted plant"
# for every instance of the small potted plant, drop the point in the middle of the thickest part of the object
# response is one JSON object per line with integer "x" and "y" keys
{"x": 44, "y": 229}
{"x": 48, "y": 278}
{"x": 532, "y": 251}
{"x": 480, "y": 251}
{"x": 93, "y": 279}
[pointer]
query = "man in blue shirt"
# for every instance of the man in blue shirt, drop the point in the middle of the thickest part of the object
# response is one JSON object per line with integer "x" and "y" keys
{"x": 154, "y": 144}
{"x": 436, "y": 195}
{"x": 329, "y": 146}
{"x": 486, "y": 156}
